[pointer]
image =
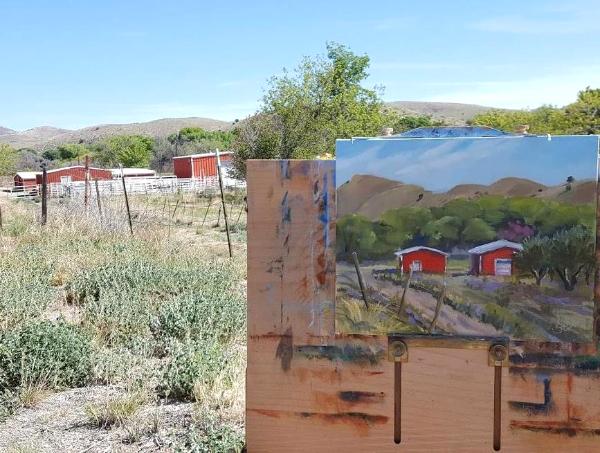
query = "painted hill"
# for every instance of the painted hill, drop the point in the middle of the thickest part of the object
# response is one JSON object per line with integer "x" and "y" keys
{"x": 453, "y": 113}
{"x": 45, "y": 137}
{"x": 371, "y": 195}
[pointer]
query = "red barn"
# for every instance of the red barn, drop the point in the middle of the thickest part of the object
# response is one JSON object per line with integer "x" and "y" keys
{"x": 67, "y": 175}
{"x": 422, "y": 259}
{"x": 25, "y": 179}
{"x": 494, "y": 258}
{"x": 199, "y": 165}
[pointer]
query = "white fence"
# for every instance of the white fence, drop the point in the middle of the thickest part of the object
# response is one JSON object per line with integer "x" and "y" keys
{"x": 135, "y": 185}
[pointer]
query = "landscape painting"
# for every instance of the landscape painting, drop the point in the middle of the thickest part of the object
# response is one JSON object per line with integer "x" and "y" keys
{"x": 490, "y": 236}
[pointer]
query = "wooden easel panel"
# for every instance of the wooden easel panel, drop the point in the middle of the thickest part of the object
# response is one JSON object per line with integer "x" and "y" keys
{"x": 310, "y": 390}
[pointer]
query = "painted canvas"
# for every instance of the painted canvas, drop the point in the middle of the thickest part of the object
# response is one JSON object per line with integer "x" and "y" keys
{"x": 467, "y": 235}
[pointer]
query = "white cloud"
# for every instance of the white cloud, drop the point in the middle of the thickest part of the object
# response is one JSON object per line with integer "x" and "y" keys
{"x": 556, "y": 89}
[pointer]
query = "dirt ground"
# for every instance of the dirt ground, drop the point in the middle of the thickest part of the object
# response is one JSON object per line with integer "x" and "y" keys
{"x": 59, "y": 424}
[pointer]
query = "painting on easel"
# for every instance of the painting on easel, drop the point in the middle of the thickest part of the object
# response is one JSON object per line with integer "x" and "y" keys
{"x": 489, "y": 235}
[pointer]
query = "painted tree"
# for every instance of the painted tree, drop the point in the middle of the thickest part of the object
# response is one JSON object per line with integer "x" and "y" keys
{"x": 444, "y": 232}
{"x": 535, "y": 257}
{"x": 354, "y": 232}
{"x": 476, "y": 231}
{"x": 571, "y": 252}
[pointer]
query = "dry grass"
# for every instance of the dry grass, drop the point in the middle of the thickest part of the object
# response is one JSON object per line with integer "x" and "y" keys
{"x": 116, "y": 411}
{"x": 31, "y": 395}
{"x": 133, "y": 336}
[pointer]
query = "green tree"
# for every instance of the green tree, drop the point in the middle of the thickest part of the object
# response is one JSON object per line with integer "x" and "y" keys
{"x": 67, "y": 151}
{"x": 305, "y": 111}
{"x": 354, "y": 232}
{"x": 404, "y": 224}
{"x": 584, "y": 114}
{"x": 444, "y": 232}
{"x": 571, "y": 252}
{"x": 8, "y": 160}
{"x": 128, "y": 150}
{"x": 535, "y": 257}
{"x": 580, "y": 117}
{"x": 477, "y": 230}
{"x": 197, "y": 139}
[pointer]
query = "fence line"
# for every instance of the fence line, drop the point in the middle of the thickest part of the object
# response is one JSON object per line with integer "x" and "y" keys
{"x": 106, "y": 209}
{"x": 135, "y": 185}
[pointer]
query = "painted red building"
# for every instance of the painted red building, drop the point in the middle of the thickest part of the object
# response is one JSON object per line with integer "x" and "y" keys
{"x": 494, "y": 258}
{"x": 199, "y": 165}
{"x": 67, "y": 175}
{"x": 422, "y": 259}
{"x": 25, "y": 179}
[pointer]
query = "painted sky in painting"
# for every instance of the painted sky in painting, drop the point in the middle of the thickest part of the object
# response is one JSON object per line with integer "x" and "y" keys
{"x": 440, "y": 164}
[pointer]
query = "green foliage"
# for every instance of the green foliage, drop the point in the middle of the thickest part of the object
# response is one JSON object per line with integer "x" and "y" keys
{"x": 444, "y": 231}
{"x": 128, "y": 150}
{"x": 305, "y": 111}
{"x": 535, "y": 257}
{"x": 354, "y": 232}
{"x": 571, "y": 252}
{"x": 460, "y": 222}
{"x": 580, "y": 117}
{"x": 211, "y": 436}
{"x": 165, "y": 299}
{"x": 8, "y": 160}
{"x": 191, "y": 362}
{"x": 209, "y": 313}
{"x": 584, "y": 114}
{"x": 68, "y": 151}
{"x": 404, "y": 224}
{"x": 202, "y": 139}
{"x": 57, "y": 355}
{"x": 477, "y": 230}
{"x": 402, "y": 122}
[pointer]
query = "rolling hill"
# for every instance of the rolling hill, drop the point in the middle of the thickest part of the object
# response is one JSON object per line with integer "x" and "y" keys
{"x": 452, "y": 113}
{"x": 46, "y": 137}
{"x": 371, "y": 196}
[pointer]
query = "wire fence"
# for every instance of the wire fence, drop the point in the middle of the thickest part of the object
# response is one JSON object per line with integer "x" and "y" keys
{"x": 192, "y": 206}
{"x": 135, "y": 185}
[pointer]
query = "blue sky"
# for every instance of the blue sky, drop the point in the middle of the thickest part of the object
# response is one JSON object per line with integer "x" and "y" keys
{"x": 78, "y": 63}
{"x": 440, "y": 164}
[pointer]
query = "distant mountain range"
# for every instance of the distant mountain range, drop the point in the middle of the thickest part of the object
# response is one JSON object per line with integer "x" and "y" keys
{"x": 453, "y": 113}
{"x": 44, "y": 137}
{"x": 6, "y": 130}
{"x": 371, "y": 196}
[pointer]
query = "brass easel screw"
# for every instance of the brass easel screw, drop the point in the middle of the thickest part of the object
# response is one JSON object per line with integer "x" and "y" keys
{"x": 399, "y": 350}
{"x": 498, "y": 353}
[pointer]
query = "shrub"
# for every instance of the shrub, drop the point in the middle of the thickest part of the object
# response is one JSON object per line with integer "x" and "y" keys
{"x": 217, "y": 315}
{"x": 57, "y": 355}
{"x": 212, "y": 436}
{"x": 191, "y": 362}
